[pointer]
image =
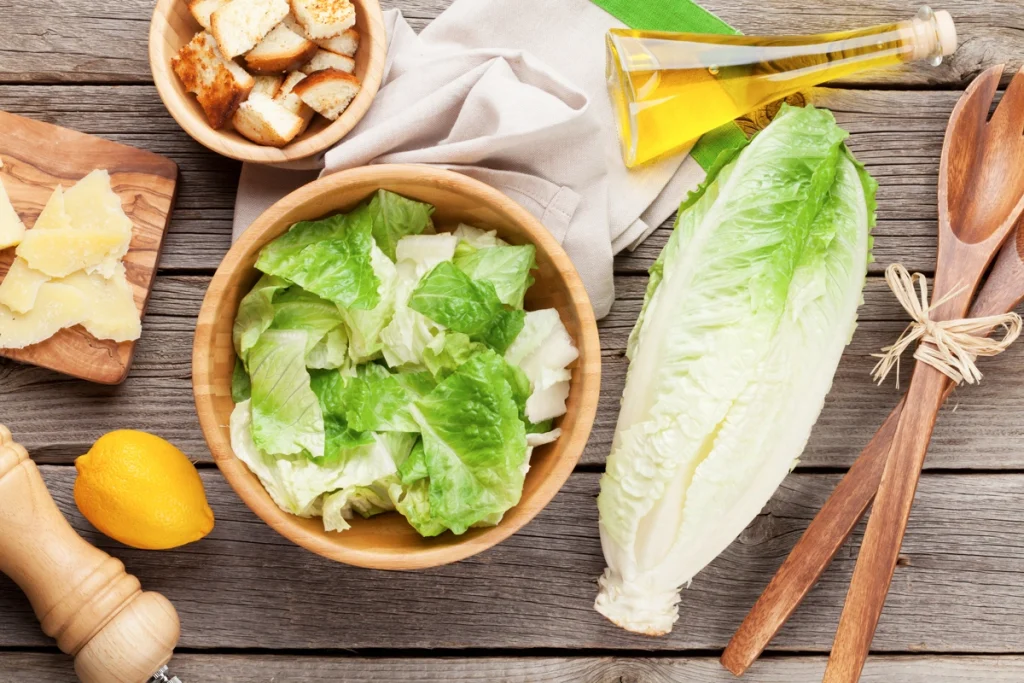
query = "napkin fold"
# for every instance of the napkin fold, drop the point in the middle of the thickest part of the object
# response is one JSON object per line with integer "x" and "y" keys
{"x": 512, "y": 93}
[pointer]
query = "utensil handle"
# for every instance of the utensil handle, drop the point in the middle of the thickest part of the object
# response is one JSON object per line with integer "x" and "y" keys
{"x": 83, "y": 597}
{"x": 884, "y": 535}
{"x": 847, "y": 504}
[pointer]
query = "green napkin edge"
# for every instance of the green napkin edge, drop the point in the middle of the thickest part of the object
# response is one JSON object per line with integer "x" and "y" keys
{"x": 682, "y": 16}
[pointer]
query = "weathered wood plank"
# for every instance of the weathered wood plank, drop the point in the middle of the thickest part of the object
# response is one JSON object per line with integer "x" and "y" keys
{"x": 79, "y": 41}
{"x": 54, "y": 668}
{"x": 57, "y": 418}
{"x": 897, "y": 134}
{"x": 957, "y": 590}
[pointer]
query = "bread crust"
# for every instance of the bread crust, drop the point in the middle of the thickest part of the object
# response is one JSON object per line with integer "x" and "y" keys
{"x": 205, "y": 73}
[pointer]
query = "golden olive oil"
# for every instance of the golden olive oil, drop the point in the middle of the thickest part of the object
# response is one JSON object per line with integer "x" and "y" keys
{"x": 668, "y": 89}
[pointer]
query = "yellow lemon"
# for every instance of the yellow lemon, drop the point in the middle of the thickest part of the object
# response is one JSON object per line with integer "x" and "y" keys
{"x": 142, "y": 491}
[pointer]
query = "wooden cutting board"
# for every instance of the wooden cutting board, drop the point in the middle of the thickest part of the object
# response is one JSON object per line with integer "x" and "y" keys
{"x": 36, "y": 158}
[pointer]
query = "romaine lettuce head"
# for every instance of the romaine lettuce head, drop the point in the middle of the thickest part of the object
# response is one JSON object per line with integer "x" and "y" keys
{"x": 742, "y": 330}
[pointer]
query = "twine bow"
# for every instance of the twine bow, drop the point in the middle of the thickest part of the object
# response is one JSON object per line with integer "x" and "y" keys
{"x": 949, "y": 346}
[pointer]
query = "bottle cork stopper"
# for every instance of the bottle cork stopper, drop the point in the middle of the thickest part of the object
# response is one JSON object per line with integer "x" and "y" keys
{"x": 946, "y": 32}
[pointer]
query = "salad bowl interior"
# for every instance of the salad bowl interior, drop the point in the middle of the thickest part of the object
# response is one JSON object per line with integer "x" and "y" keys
{"x": 387, "y": 541}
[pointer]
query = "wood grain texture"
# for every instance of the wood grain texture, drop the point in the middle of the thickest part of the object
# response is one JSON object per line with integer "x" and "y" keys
{"x": 81, "y": 595}
{"x": 52, "y": 668}
{"x": 898, "y": 134}
{"x": 244, "y": 586}
{"x": 105, "y": 41}
{"x": 173, "y": 27}
{"x": 388, "y": 541}
{"x": 37, "y": 157}
{"x": 58, "y": 418}
{"x": 981, "y": 195}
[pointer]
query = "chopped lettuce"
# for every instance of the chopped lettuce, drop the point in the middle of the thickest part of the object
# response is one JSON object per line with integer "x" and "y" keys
{"x": 449, "y": 297}
{"x": 507, "y": 268}
{"x": 365, "y": 326}
{"x": 256, "y": 313}
{"x": 393, "y": 217}
{"x": 241, "y": 387}
{"x": 477, "y": 238}
{"x": 286, "y": 416}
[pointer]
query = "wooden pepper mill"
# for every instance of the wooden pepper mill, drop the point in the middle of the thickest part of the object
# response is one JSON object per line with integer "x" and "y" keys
{"x": 83, "y": 597}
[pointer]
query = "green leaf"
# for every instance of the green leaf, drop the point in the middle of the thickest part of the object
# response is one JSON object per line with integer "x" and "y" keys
{"x": 456, "y": 349}
{"x": 330, "y": 258}
{"x": 393, "y": 217}
{"x": 365, "y": 326}
{"x": 413, "y": 502}
{"x": 474, "y": 444}
{"x": 449, "y": 297}
{"x": 377, "y": 401}
{"x": 255, "y": 313}
{"x": 297, "y": 309}
{"x": 332, "y": 389}
{"x": 507, "y": 268}
{"x": 331, "y": 352}
{"x": 241, "y": 388}
{"x": 415, "y": 466}
{"x": 286, "y": 415}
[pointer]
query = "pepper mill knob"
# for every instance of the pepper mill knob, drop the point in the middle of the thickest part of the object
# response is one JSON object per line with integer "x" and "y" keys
{"x": 83, "y": 597}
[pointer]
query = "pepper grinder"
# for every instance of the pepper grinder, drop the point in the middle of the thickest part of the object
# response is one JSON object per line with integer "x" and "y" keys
{"x": 82, "y": 596}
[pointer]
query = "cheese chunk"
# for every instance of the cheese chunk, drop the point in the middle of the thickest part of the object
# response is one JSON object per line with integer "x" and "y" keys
{"x": 92, "y": 204}
{"x": 20, "y": 286}
{"x": 11, "y": 227}
{"x": 61, "y": 251}
{"x": 57, "y": 306}
{"x": 112, "y": 312}
{"x": 53, "y": 215}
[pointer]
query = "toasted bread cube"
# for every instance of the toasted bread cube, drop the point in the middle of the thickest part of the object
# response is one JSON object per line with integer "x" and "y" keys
{"x": 281, "y": 50}
{"x": 324, "y": 18}
{"x": 290, "y": 101}
{"x": 240, "y": 24}
{"x": 325, "y": 59}
{"x": 268, "y": 85}
{"x": 219, "y": 84}
{"x": 346, "y": 44}
{"x": 202, "y": 10}
{"x": 328, "y": 92}
{"x": 266, "y": 122}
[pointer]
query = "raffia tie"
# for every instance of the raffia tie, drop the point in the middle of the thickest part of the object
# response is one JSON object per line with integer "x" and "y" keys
{"x": 949, "y": 346}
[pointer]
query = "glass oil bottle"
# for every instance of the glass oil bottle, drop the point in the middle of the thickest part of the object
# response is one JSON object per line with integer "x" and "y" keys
{"x": 668, "y": 89}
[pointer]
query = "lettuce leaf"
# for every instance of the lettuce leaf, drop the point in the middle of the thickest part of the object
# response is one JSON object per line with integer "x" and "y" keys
{"x": 507, "y": 268}
{"x": 393, "y": 217}
{"x": 256, "y": 313}
{"x": 286, "y": 415}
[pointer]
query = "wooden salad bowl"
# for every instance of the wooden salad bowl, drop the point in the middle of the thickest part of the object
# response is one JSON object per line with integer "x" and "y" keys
{"x": 387, "y": 541}
{"x": 172, "y": 27}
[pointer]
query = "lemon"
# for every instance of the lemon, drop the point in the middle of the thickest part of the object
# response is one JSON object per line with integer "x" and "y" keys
{"x": 142, "y": 491}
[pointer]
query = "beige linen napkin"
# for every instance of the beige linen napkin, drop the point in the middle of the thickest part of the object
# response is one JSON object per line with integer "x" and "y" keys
{"x": 512, "y": 93}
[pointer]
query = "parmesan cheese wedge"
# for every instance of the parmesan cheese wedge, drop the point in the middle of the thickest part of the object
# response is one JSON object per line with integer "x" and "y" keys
{"x": 11, "y": 227}
{"x": 112, "y": 312}
{"x": 20, "y": 286}
{"x": 57, "y": 306}
{"x": 92, "y": 204}
{"x": 53, "y": 215}
{"x": 58, "y": 252}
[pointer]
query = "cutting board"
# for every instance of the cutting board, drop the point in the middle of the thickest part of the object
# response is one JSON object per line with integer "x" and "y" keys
{"x": 39, "y": 156}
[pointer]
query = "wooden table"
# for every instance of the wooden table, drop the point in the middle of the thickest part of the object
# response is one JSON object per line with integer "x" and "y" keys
{"x": 256, "y": 608}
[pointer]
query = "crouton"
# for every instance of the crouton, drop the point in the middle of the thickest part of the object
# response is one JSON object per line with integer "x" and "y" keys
{"x": 240, "y": 24}
{"x": 202, "y": 9}
{"x": 324, "y": 18}
{"x": 266, "y": 122}
{"x": 219, "y": 84}
{"x": 268, "y": 85}
{"x": 281, "y": 50}
{"x": 290, "y": 101}
{"x": 328, "y": 92}
{"x": 346, "y": 44}
{"x": 325, "y": 59}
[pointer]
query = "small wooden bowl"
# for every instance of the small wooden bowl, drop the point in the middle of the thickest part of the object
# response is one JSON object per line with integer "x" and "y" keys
{"x": 173, "y": 26}
{"x": 387, "y": 541}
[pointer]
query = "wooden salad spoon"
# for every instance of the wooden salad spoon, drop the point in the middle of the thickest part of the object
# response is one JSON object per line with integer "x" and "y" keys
{"x": 981, "y": 195}
{"x": 1002, "y": 292}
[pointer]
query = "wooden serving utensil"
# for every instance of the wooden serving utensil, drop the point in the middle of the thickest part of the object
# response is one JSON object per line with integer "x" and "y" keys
{"x": 1002, "y": 292}
{"x": 981, "y": 195}
{"x": 82, "y": 596}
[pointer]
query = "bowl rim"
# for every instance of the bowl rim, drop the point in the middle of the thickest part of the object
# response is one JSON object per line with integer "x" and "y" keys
{"x": 240, "y": 149}
{"x": 247, "y": 485}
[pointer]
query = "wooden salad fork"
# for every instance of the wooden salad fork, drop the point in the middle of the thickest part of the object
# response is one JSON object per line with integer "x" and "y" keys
{"x": 981, "y": 195}
{"x": 1002, "y": 292}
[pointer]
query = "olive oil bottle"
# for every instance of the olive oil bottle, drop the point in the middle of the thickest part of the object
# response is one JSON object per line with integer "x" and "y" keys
{"x": 668, "y": 89}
